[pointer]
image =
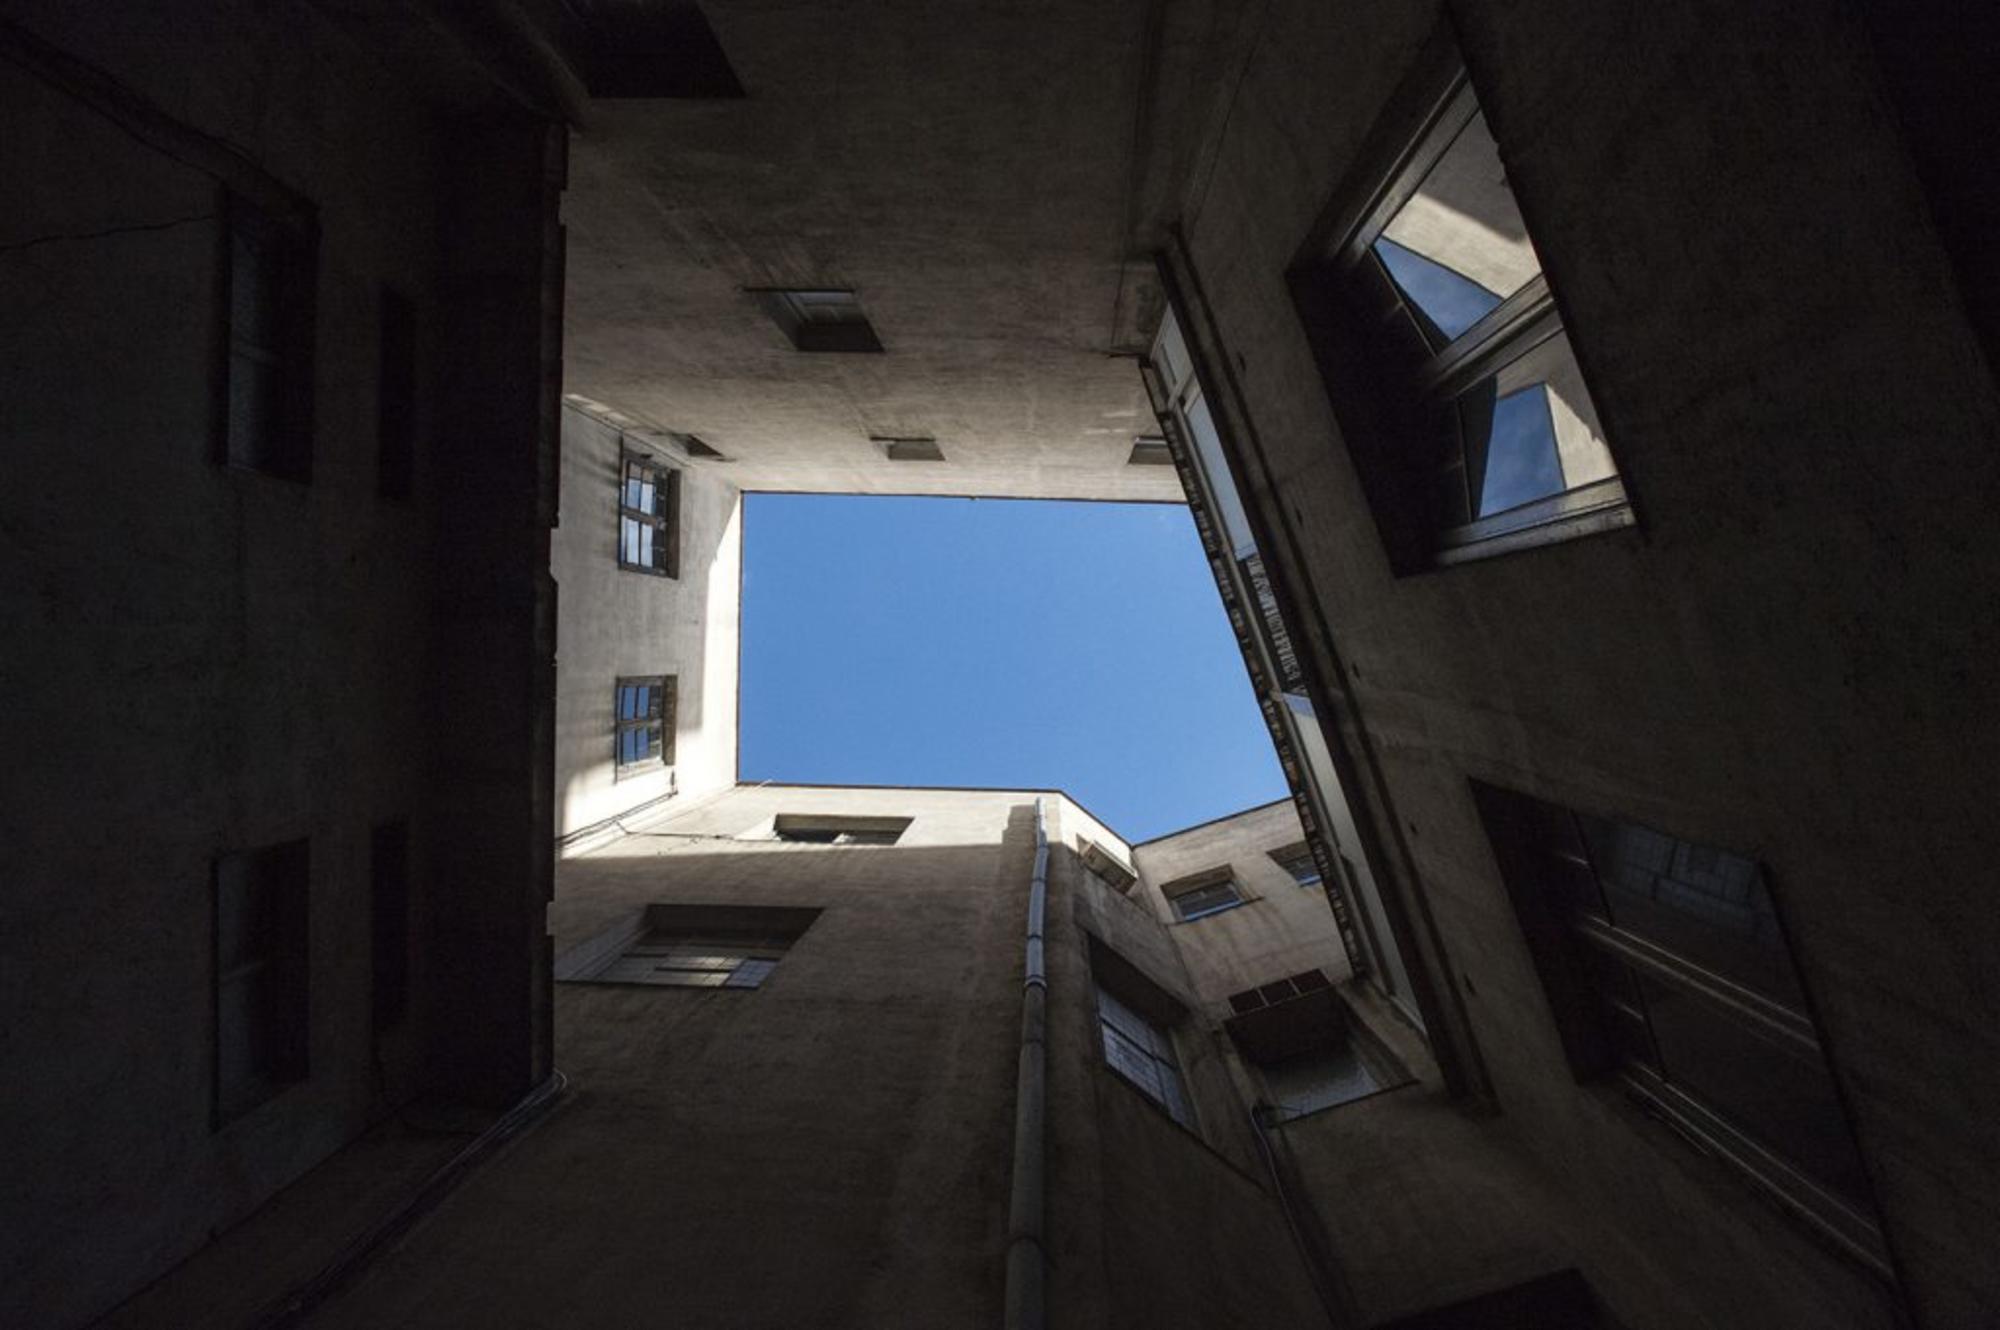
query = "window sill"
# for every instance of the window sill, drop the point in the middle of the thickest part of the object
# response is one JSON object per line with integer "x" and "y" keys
{"x": 1220, "y": 909}
{"x": 1586, "y": 511}
{"x": 1826, "y": 1217}
{"x": 650, "y": 572}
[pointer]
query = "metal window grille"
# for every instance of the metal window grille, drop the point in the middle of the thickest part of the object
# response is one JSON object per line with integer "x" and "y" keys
{"x": 1198, "y": 899}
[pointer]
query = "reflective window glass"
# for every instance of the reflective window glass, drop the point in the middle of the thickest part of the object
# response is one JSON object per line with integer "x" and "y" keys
{"x": 1531, "y": 432}
{"x": 1458, "y": 247}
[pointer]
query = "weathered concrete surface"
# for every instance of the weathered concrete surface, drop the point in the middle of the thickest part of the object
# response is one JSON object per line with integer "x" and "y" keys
{"x": 1783, "y": 659}
{"x": 987, "y": 178}
{"x": 833, "y": 1148}
{"x": 1281, "y": 930}
{"x": 615, "y": 622}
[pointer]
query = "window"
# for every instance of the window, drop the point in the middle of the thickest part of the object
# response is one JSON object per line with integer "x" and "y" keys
{"x": 647, "y": 48}
{"x": 1299, "y": 862}
{"x": 1455, "y": 382}
{"x": 269, "y": 306}
{"x": 260, "y": 981}
{"x": 645, "y": 711}
{"x": 1308, "y": 1050}
{"x": 396, "y": 397}
{"x": 1105, "y": 865}
{"x": 1667, "y": 967}
{"x": 649, "y": 503}
{"x": 819, "y": 320}
{"x": 689, "y": 946}
{"x": 1143, "y": 1053}
{"x": 1203, "y": 894}
{"x": 815, "y": 830}
{"x": 389, "y": 860}
{"x": 909, "y": 450}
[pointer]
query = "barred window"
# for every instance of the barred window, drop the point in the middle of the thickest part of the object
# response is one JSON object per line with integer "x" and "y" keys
{"x": 649, "y": 500}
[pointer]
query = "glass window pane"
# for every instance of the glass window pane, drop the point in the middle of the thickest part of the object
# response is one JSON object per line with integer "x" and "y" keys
{"x": 1530, "y": 431}
{"x": 1767, "y": 1086}
{"x": 645, "y": 544}
{"x": 1134, "y": 1063}
{"x": 1229, "y": 507}
{"x": 628, "y": 539}
{"x": 750, "y": 974}
{"x": 1459, "y": 247}
{"x": 645, "y": 503}
{"x": 1705, "y": 905}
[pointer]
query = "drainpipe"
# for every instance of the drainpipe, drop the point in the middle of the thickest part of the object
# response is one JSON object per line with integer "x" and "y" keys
{"x": 1027, "y": 1256}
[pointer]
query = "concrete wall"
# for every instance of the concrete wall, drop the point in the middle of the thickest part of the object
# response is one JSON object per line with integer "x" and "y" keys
{"x": 834, "y": 1147}
{"x": 1782, "y": 659}
{"x": 615, "y": 622}
{"x": 1280, "y": 930}
{"x": 198, "y": 660}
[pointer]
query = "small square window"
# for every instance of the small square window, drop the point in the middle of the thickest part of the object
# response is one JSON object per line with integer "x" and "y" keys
{"x": 819, "y": 319}
{"x": 1203, "y": 894}
{"x": 262, "y": 950}
{"x": 649, "y": 502}
{"x": 270, "y": 272}
{"x": 1299, "y": 862}
{"x": 1458, "y": 392}
{"x": 644, "y": 717}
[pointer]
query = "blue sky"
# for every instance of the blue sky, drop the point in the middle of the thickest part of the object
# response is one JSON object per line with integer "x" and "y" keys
{"x": 908, "y": 641}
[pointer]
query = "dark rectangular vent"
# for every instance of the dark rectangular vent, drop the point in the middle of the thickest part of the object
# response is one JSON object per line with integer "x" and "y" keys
{"x": 1150, "y": 452}
{"x": 909, "y": 450}
{"x": 824, "y": 319}
{"x": 696, "y": 448}
{"x": 647, "y": 48}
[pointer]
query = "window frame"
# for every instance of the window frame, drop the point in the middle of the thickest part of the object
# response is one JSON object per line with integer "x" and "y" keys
{"x": 278, "y": 1052}
{"x": 1161, "y": 1051}
{"x": 662, "y": 708}
{"x": 288, "y": 239}
{"x": 1285, "y": 856}
{"x": 1559, "y": 936}
{"x": 665, "y": 519}
{"x": 1194, "y": 884}
{"x": 1406, "y": 416}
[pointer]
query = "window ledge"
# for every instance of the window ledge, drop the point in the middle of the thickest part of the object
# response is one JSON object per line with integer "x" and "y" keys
{"x": 1585, "y": 511}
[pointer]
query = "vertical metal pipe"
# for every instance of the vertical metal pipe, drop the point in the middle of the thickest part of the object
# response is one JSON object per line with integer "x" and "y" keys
{"x": 1027, "y": 1254}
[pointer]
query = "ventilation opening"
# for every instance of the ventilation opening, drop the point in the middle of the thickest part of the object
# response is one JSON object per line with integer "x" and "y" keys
{"x": 819, "y": 319}
{"x": 1148, "y": 451}
{"x": 647, "y": 48}
{"x": 909, "y": 450}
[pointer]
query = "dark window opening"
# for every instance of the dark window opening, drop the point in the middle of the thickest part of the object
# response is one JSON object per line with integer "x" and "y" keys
{"x": 644, "y": 708}
{"x": 1136, "y": 1020}
{"x": 389, "y": 913}
{"x": 262, "y": 946}
{"x": 396, "y": 398}
{"x": 908, "y": 450}
{"x": 1667, "y": 967}
{"x": 649, "y": 503}
{"x": 820, "y": 320}
{"x": 1148, "y": 451}
{"x": 268, "y": 311}
{"x": 647, "y": 48}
